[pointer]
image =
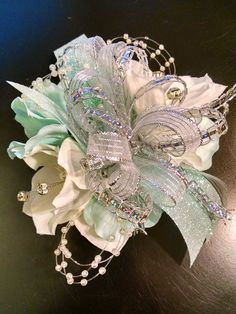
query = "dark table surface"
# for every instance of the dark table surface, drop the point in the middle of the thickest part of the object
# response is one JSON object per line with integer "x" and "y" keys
{"x": 152, "y": 274}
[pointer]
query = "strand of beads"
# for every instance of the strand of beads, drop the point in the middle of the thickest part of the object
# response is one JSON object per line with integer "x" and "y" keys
{"x": 63, "y": 255}
{"x": 155, "y": 50}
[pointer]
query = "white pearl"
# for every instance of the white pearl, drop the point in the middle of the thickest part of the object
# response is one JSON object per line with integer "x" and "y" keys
{"x": 102, "y": 270}
{"x": 57, "y": 252}
{"x": 115, "y": 252}
{"x": 33, "y": 83}
{"x": 71, "y": 222}
{"x": 64, "y": 241}
{"x": 98, "y": 258}
{"x": 128, "y": 41}
{"x": 135, "y": 43}
{"x": 84, "y": 273}
{"x": 153, "y": 55}
{"x": 52, "y": 67}
{"x": 144, "y": 45}
{"x": 109, "y": 41}
{"x": 68, "y": 255}
{"x": 171, "y": 60}
{"x": 84, "y": 282}
{"x": 125, "y": 36}
{"x": 54, "y": 73}
{"x": 158, "y": 52}
{"x": 69, "y": 275}
{"x": 167, "y": 64}
{"x": 162, "y": 69}
{"x": 70, "y": 281}
{"x": 58, "y": 267}
{"x": 94, "y": 264}
{"x": 64, "y": 264}
{"x": 161, "y": 47}
{"x": 64, "y": 230}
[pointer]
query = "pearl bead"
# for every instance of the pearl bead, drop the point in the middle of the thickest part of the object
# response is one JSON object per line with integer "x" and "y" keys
{"x": 144, "y": 45}
{"x": 33, "y": 83}
{"x": 94, "y": 264}
{"x": 98, "y": 258}
{"x": 162, "y": 68}
{"x": 71, "y": 222}
{"x": 125, "y": 36}
{"x": 84, "y": 273}
{"x": 57, "y": 252}
{"x": 167, "y": 64}
{"x": 153, "y": 55}
{"x": 128, "y": 41}
{"x": 171, "y": 60}
{"x": 109, "y": 41}
{"x": 69, "y": 275}
{"x": 64, "y": 229}
{"x": 158, "y": 52}
{"x": 68, "y": 255}
{"x": 64, "y": 264}
{"x": 22, "y": 196}
{"x": 70, "y": 281}
{"x": 64, "y": 241}
{"x": 39, "y": 80}
{"x": 161, "y": 47}
{"x": 58, "y": 268}
{"x": 115, "y": 252}
{"x": 63, "y": 248}
{"x": 52, "y": 67}
{"x": 102, "y": 270}
{"x": 130, "y": 234}
{"x": 54, "y": 73}
{"x": 135, "y": 43}
{"x": 84, "y": 282}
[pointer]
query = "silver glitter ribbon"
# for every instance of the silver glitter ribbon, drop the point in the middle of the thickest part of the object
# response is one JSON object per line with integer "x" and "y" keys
{"x": 124, "y": 155}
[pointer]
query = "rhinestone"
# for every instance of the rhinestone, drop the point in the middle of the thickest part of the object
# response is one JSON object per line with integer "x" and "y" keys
{"x": 22, "y": 196}
{"x": 98, "y": 258}
{"x": 102, "y": 270}
{"x": 84, "y": 273}
{"x": 94, "y": 264}
{"x": 174, "y": 93}
{"x": 161, "y": 47}
{"x": 42, "y": 188}
{"x": 111, "y": 238}
{"x": 58, "y": 267}
{"x": 70, "y": 281}
{"x": 84, "y": 282}
{"x": 69, "y": 275}
{"x": 57, "y": 252}
{"x": 122, "y": 231}
{"x": 64, "y": 264}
